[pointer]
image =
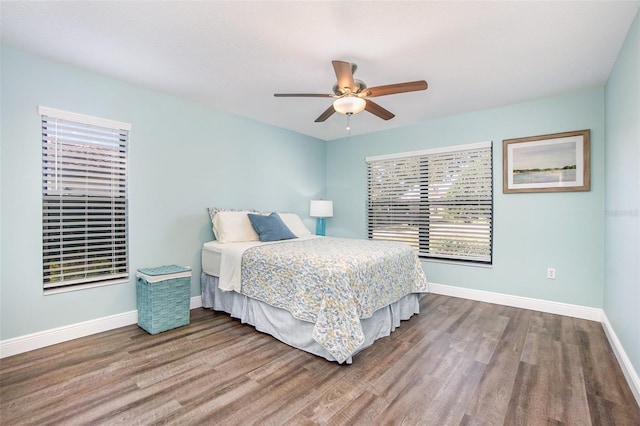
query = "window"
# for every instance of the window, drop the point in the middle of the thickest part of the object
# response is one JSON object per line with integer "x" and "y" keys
{"x": 84, "y": 201}
{"x": 439, "y": 201}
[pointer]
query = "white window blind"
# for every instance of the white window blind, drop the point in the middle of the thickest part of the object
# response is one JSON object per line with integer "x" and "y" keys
{"x": 438, "y": 201}
{"x": 84, "y": 200}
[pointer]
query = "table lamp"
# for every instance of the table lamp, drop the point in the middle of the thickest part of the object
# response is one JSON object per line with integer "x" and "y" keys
{"x": 321, "y": 209}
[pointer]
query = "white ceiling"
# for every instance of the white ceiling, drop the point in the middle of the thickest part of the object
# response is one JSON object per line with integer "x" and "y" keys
{"x": 234, "y": 55}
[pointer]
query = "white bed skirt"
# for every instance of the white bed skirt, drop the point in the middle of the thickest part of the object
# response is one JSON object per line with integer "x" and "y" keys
{"x": 297, "y": 333}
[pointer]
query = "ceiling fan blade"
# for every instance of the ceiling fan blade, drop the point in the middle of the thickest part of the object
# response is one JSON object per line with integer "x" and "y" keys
{"x": 328, "y": 113}
{"x": 376, "y": 109}
{"x": 344, "y": 74}
{"x": 303, "y": 95}
{"x": 391, "y": 89}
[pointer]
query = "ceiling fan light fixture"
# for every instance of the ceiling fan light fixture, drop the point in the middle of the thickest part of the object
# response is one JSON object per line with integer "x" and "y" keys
{"x": 349, "y": 104}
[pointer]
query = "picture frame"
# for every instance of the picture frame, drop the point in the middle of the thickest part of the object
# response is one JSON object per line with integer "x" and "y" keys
{"x": 558, "y": 162}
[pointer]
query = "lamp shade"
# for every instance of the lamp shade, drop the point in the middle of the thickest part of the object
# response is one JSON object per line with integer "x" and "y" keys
{"x": 321, "y": 208}
{"x": 349, "y": 104}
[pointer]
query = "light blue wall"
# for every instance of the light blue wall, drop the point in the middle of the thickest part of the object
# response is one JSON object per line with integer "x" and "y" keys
{"x": 622, "y": 205}
{"x": 532, "y": 231}
{"x": 184, "y": 157}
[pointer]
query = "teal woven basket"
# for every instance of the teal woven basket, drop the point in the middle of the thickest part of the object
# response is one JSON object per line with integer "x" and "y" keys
{"x": 163, "y": 295}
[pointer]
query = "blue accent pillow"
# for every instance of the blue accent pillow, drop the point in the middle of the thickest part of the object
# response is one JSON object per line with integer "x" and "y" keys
{"x": 270, "y": 228}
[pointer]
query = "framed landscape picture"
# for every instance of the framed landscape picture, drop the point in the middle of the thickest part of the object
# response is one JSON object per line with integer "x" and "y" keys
{"x": 548, "y": 163}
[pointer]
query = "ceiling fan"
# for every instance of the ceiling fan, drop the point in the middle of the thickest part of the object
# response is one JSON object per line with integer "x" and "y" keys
{"x": 351, "y": 95}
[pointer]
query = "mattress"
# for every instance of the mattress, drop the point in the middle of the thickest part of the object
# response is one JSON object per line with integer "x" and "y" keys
{"x": 215, "y": 253}
{"x": 211, "y": 255}
{"x": 223, "y": 260}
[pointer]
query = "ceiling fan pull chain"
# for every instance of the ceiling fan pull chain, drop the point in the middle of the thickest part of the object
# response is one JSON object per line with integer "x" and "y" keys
{"x": 349, "y": 124}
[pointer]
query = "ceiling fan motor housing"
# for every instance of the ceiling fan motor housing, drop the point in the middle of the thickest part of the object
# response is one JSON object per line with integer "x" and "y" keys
{"x": 360, "y": 86}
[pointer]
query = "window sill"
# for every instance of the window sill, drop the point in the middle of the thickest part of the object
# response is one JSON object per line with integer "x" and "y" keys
{"x": 456, "y": 262}
{"x": 77, "y": 287}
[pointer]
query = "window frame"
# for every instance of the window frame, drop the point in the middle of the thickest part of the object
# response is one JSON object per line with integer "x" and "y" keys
{"x": 424, "y": 180}
{"x": 85, "y": 201}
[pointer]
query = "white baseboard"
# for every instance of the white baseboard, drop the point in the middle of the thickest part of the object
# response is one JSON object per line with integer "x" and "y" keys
{"x": 576, "y": 311}
{"x": 625, "y": 363}
{"x": 195, "y": 302}
{"x": 53, "y": 336}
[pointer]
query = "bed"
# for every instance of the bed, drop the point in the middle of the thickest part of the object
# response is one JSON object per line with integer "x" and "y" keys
{"x": 332, "y": 297}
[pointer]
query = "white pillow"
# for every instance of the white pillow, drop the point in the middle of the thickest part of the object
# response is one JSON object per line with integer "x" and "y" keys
{"x": 233, "y": 227}
{"x": 294, "y": 223}
{"x": 213, "y": 211}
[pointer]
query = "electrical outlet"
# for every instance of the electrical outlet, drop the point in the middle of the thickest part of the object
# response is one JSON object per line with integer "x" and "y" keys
{"x": 551, "y": 273}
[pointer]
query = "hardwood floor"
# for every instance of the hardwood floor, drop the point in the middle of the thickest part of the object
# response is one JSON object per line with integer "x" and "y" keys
{"x": 458, "y": 362}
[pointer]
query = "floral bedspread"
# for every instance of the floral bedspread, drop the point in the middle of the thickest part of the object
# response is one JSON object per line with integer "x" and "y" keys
{"x": 332, "y": 282}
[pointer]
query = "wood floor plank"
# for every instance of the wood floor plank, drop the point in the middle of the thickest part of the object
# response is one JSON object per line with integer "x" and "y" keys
{"x": 458, "y": 362}
{"x": 450, "y": 402}
{"x": 605, "y": 412}
{"x": 529, "y": 402}
{"x": 364, "y": 410}
{"x": 567, "y": 392}
{"x": 418, "y": 359}
{"x": 600, "y": 367}
{"x": 491, "y": 399}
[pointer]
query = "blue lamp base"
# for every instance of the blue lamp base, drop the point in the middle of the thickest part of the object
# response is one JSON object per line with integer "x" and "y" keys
{"x": 320, "y": 226}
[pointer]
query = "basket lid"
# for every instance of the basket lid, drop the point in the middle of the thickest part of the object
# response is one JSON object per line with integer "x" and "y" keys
{"x": 164, "y": 270}
{"x": 162, "y": 273}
